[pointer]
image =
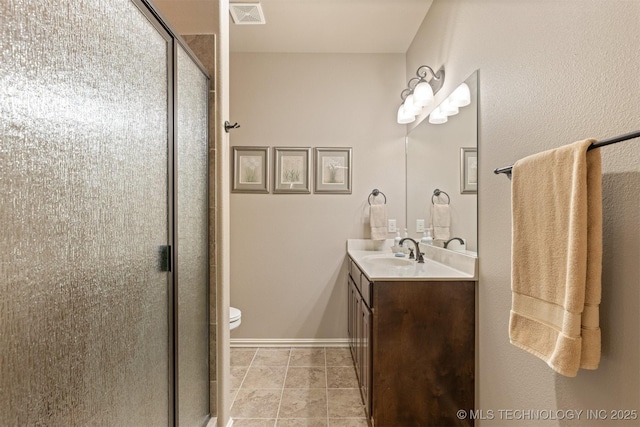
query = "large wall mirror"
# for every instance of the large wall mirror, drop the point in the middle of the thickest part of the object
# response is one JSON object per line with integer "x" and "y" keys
{"x": 444, "y": 157}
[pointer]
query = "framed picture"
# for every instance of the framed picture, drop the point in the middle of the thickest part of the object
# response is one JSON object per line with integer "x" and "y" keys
{"x": 250, "y": 170}
{"x": 291, "y": 170}
{"x": 468, "y": 170}
{"x": 333, "y": 170}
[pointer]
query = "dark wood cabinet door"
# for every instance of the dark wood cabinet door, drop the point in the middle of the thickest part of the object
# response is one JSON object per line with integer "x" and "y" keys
{"x": 424, "y": 353}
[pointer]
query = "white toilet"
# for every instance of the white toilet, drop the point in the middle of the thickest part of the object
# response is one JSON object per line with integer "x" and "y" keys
{"x": 235, "y": 318}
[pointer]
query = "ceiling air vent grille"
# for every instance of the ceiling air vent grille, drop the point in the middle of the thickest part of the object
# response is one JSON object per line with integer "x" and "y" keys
{"x": 246, "y": 13}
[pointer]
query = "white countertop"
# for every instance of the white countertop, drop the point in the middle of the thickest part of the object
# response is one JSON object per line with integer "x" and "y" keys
{"x": 377, "y": 261}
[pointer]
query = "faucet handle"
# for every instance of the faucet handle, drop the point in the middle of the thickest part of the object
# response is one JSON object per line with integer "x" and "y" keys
{"x": 411, "y": 256}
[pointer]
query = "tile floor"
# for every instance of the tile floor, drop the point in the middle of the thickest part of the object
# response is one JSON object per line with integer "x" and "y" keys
{"x": 287, "y": 387}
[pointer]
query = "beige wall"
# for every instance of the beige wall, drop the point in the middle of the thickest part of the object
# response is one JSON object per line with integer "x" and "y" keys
{"x": 287, "y": 251}
{"x": 550, "y": 73}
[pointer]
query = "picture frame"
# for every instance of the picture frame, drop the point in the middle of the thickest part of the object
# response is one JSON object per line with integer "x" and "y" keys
{"x": 333, "y": 170}
{"x": 468, "y": 170}
{"x": 291, "y": 170}
{"x": 250, "y": 170}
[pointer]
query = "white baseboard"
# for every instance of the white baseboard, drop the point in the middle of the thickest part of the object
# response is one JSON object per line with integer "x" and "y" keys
{"x": 289, "y": 342}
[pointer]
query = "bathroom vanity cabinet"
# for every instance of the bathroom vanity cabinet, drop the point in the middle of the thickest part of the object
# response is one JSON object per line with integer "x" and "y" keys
{"x": 359, "y": 329}
{"x": 413, "y": 344}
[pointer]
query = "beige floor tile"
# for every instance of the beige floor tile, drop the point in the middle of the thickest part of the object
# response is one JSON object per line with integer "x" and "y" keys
{"x": 306, "y": 377}
{"x": 301, "y": 422}
{"x": 303, "y": 403}
{"x": 341, "y": 377}
{"x": 242, "y": 356}
{"x": 345, "y": 403}
{"x": 320, "y": 388}
{"x": 339, "y": 356}
{"x": 237, "y": 375}
{"x": 307, "y": 357}
{"x": 264, "y": 377}
{"x": 346, "y": 422}
{"x": 256, "y": 404}
{"x": 272, "y": 357}
{"x": 254, "y": 422}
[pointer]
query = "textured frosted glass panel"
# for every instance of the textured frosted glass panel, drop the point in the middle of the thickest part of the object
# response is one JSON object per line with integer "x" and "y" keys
{"x": 192, "y": 261}
{"x": 83, "y": 211}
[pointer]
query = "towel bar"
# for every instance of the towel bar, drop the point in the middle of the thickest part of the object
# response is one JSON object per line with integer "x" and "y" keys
{"x": 375, "y": 193}
{"x": 437, "y": 193}
{"x": 632, "y": 135}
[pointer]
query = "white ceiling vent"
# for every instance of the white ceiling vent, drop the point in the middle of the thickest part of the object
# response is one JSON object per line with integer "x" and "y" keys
{"x": 246, "y": 13}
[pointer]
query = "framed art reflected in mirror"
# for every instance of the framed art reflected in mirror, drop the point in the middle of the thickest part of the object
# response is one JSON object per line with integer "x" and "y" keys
{"x": 468, "y": 170}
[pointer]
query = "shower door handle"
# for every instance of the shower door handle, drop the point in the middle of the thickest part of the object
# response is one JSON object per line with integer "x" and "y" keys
{"x": 165, "y": 258}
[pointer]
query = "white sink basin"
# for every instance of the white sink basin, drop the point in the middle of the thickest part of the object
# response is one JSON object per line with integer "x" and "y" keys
{"x": 387, "y": 261}
{"x": 379, "y": 263}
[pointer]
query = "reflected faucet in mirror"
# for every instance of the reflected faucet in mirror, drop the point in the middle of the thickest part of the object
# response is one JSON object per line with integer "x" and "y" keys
{"x": 451, "y": 240}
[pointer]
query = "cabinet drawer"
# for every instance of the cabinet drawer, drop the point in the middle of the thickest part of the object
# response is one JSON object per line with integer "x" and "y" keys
{"x": 361, "y": 281}
{"x": 365, "y": 289}
{"x": 354, "y": 271}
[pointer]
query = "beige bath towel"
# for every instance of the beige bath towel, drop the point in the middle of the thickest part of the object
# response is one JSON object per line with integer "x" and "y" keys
{"x": 557, "y": 257}
{"x": 441, "y": 221}
{"x": 378, "y": 221}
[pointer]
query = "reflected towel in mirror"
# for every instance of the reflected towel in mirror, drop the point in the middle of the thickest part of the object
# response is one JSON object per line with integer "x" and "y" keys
{"x": 440, "y": 221}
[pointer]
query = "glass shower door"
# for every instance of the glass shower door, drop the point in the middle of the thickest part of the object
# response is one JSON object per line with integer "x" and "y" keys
{"x": 192, "y": 265}
{"x": 84, "y": 303}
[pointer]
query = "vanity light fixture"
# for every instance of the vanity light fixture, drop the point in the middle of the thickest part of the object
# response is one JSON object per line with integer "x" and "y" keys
{"x": 460, "y": 97}
{"x": 410, "y": 105}
{"x": 449, "y": 108}
{"x": 404, "y": 116}
{"x": 437, "y": 117}
{"x": 419, "y": 93}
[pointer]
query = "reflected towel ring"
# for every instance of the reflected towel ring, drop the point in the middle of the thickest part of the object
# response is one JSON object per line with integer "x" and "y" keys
{"x": 437, "y": 193}
{"x": 375, "y": 193}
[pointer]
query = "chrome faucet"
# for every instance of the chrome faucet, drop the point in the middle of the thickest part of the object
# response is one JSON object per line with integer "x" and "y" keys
{"x": 452, "y": 239}
{"x": 419, "y": 256}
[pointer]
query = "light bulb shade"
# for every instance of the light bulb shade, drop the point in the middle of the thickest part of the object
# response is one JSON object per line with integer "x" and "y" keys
{"x": 437, "y": 117}
{"x": 461, "y": 97}
{"x": 448, "y": 108}
{"x": 404, "y": 117}
{"x": 423, "y": 94}
{"x": 411, "y": 107}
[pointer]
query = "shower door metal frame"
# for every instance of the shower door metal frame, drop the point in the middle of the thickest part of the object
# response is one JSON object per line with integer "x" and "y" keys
{"x": 178, "y": 42}
{"x": 173, "y": 41}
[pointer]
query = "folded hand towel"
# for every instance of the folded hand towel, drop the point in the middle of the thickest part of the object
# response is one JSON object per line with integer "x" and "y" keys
{"x": 440, "y": 221}
{"x": 557, "y": 256}
{"x": 378, "y": 221}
